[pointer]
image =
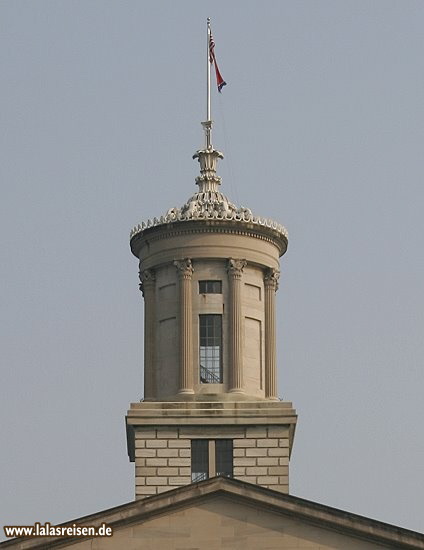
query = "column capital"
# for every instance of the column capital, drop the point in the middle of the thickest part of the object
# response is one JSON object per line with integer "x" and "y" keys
{"x": 271, "y": 278}
{"x": 146, "y": 276}
{"x": 235, "y": 267}
{"x": 184, "y": 267}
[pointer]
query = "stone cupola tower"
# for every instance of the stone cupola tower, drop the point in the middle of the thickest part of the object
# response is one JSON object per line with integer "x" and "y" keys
{"x": 209, "y": 274}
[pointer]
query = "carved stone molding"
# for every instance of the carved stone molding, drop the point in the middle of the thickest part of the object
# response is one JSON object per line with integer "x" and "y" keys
{"x": 208, "y": 180}
{"x": 271, "y": 278}
{"x": 235, "y": 268}
{"x": 185, "y": 268}
{"x": 209, "y": 204}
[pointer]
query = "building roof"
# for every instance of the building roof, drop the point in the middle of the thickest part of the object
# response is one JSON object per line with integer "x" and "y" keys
{"x": 288, "y": 506}
{"x": 209, "y": 203}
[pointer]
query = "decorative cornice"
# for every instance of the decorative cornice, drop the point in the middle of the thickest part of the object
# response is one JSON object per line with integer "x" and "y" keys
{"x": 235, "y": 229}
{"x": 235, "y": 267}
{"x": 210, "y": 205}
{"x": 184, "y": 267}
{"x": 271, "y": 278}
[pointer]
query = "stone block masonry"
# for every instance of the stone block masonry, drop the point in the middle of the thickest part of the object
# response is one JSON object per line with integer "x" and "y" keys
{"x": 262, "y": 457}
{"x": 163, "y": 456}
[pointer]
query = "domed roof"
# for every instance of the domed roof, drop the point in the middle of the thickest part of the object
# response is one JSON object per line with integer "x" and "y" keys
{"x": 209, "y": 203}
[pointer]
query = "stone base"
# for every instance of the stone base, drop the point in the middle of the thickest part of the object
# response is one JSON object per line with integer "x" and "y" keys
{"x": 159, "y": 441}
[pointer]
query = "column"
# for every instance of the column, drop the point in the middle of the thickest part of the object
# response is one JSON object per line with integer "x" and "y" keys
{"x": 271, "y": 285}
{"x": 185, "y": 273}
{"x": 235, "y": 271}
{"x": 147, "y": 287}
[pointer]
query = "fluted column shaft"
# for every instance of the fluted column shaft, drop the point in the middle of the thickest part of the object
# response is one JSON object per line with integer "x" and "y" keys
{"x": 147, "y": 287}
{"x": 271, "y": 286}
{"x": 185, "y": 273}
{"x": 235, "y": 271}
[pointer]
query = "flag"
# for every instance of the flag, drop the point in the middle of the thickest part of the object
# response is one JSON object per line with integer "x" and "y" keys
{"x": 220, "y": 82}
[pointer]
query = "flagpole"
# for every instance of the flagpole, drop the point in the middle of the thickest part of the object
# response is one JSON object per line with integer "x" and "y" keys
{"x": 207, "y": 125}
{"x": 208, "y": 38}
{"x": 208, "y": 181}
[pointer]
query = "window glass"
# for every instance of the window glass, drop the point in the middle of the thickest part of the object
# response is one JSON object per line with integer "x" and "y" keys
{"x": 210, "y": 352}
{"x": 210, "y": 287}
{"x": 199, "y": 460}
{"x": 224, "y": 457}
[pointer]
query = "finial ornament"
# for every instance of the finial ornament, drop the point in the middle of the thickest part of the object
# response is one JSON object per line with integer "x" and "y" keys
{"x": 208, "y": 180}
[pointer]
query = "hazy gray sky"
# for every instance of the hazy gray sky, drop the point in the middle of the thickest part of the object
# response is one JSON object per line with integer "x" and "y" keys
{"x": 322, "y": 128}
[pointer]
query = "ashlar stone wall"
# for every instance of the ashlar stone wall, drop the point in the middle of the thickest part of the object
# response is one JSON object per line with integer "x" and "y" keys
{"x": 162, "y": 461}
{"x": 262, "y": 457}
{"x": 163, "y": 456}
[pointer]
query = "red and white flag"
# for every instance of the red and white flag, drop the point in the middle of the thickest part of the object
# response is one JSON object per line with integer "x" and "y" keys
{"x": 220, "y": 82}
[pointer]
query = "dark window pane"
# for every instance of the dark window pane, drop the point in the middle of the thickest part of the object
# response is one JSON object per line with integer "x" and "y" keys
{"x": 210, "y": 287}
{"x": 224, "y": 457}
{"x": 210, "y": 352}
{"x": 199, "y": 460}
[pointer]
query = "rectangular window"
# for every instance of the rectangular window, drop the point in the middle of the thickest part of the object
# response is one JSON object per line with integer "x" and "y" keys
{"x": 210, "y": 458}
{"x": 210, "y": 287}
{"x": 224, "y": 457}
{"x": 210, "y": 352}
{"x": 199, "y": 460}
